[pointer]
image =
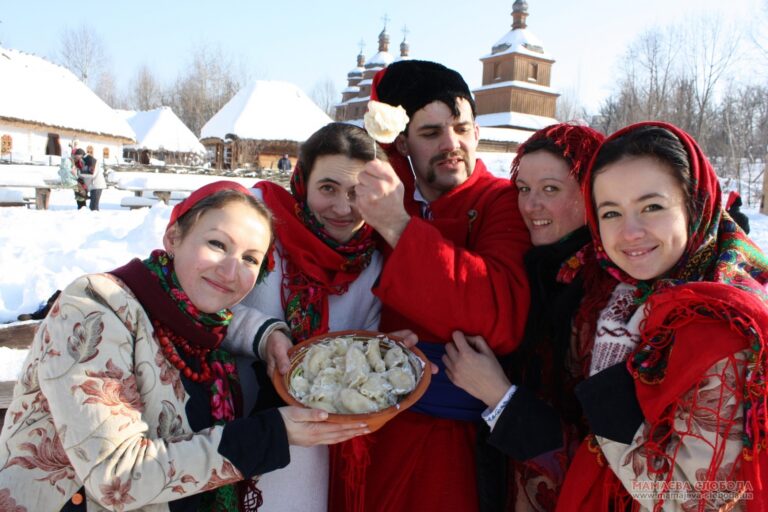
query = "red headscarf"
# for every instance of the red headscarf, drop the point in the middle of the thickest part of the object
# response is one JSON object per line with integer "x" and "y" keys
{"x": 720, "y": 282}
{"x": 316, "y": 266}
{"x": 577, "y": 144}
{"x": 200, "y": 194}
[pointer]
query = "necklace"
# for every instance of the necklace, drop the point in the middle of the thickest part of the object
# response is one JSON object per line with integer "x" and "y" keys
{"x": 171, "y": 342}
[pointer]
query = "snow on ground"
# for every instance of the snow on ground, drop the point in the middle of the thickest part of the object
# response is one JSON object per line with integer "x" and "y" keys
{"x": 44, "y": 250}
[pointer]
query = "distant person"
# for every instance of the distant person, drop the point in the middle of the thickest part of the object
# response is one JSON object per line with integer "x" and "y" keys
{"x": 81, "y": 187}
{"x": 733, "y": 207}
{"x": 127, "y": 401}
{"x": 92, "y": 178}
{"x": 284, "y": 165}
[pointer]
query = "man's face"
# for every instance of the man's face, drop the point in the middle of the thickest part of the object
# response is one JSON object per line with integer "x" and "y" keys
{"x": 442, "y": 147}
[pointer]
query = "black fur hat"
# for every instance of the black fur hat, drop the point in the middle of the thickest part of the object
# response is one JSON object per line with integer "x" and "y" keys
{"x": 414, "y": 84}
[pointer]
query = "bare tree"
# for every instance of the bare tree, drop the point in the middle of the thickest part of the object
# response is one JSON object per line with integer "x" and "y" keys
{"x": 209, "y": 81}
{"x": 82, "y": 52}
{"x": 569, "y": 106}
{"x": 106, "y": 89}
{"x": 146, "y": 91}
{"x": 326, "y": 96}
{"x": 711, "y": 52}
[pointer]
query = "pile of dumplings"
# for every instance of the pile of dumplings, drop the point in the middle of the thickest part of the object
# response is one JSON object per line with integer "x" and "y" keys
{"x": 350, "y": 375}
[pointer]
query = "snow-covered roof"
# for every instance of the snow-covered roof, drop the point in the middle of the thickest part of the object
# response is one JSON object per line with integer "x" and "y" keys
{"x": 356, "y": 71}
{"x": 521, "y": 41}
{"x": 515, "y": 119}
{"x": 267, "y": 110}
{"x": 518, "y": 83}
{"x": 504, "y": 134}
{"x": 380, "y": 59}
{"x": 350, "y": 89}
{"x": 35, "y": 90}
{"x": 161, "y": 129}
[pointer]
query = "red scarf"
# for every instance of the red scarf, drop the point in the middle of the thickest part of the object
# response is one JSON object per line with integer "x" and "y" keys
{"x": 315, "y": 265}
{"x": 718, "y": 288}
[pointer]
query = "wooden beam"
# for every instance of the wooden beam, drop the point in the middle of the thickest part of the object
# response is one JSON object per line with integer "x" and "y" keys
{"x": 6, "y": 394}
{"x": 764, "y": 198}
{"x": 18, "y": 334}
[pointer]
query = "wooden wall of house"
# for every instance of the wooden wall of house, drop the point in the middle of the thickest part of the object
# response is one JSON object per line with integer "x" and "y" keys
{"x": 494, "y": 146}
{"x": 249, "y": 153}
{"x": 31, "y": 141}
{"x": 516, "y": 67}
{"x": 508, "y": 99}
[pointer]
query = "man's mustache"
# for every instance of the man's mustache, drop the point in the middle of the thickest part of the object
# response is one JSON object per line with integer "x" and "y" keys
{"x": 447, "y": 155}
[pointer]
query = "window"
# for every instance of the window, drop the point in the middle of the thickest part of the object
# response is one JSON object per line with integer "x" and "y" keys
{"x": 6, "y": 143}
{"x": 53, "y": 147}
{"x": 496, "y": 70}
{"x": 533, "y": 72}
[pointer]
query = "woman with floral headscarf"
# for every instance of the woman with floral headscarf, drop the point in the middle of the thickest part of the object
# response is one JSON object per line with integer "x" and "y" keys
{"x": 321, "y": 270}
{"x": 534, "y": 422}
{"x": 676, "y": 391}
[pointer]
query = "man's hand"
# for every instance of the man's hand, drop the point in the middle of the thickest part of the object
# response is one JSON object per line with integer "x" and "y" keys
{"x": 379, "y": 199}
{"x": 471, "y": 365}
{"x": 277, "y": 352}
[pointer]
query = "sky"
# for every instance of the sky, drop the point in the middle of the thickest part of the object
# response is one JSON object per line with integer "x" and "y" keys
{"x": 308, "y": 42}
{"x": 76, "y": 242}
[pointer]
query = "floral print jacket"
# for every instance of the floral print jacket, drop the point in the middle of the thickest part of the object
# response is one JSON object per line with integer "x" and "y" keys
{"x": 98, "y": 406}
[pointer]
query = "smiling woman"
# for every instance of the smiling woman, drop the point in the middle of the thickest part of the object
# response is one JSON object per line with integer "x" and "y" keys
{"x": 676, "y": 391}
{"x": 321, "y": 271}
{"x": 126, "y": 377}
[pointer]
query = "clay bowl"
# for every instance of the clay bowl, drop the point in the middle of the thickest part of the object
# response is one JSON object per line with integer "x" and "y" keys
{"x": 374, "y": 420}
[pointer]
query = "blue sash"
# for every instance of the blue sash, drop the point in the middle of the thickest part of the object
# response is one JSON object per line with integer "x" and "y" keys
{"x": 443, "y": 399}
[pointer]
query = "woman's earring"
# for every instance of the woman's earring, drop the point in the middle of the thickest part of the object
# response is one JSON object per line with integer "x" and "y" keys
{"x": 170, "y": 255}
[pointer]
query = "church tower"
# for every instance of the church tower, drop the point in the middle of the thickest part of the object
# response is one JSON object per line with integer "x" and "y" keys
{"x": 354, "y": 99}
{"x": 515, "y": 91}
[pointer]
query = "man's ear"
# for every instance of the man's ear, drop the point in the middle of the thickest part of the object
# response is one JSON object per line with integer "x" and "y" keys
{"x": 171, "y": 238}
{"x": 401, "y": 145}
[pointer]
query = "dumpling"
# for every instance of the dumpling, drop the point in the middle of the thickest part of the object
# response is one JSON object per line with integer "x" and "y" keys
{"x": 377, "y": 388}
{"x": 402, "y": 379}
{"x": 354, "y": 402}
{"x": 317, "y": 358}
{"x": 299, "y": 386}
{"x": 395, "y": 357}
{"x": 339, "y": 345}
{"x": 321, "y": 403}
{"x": 373, "y": 353}
{"x": 356, "y": 367}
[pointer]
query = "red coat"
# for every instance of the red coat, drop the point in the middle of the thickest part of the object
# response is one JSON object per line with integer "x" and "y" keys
{"x": 462, "y": 270}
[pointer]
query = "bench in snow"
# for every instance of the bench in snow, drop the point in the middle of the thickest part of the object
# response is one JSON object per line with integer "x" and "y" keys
{"x": 134, "y": 202}
{"x": 14, "y": 197}
{"x": 16, "y": 335}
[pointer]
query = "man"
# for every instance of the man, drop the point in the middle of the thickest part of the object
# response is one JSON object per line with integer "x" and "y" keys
{"x": 284, "y": 165}
{"x": 454, "y": 262}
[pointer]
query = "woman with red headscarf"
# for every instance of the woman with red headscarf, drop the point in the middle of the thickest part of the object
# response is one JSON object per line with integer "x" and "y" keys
{"x": 676, "y": 394}
{"x": 126, "y": 400}
{"x": 535, "y": 422}
{"x": 321, "y": 270}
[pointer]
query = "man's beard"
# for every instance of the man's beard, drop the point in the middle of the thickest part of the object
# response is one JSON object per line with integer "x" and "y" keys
{"x": 456, "y": 153}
